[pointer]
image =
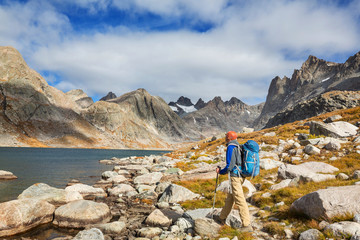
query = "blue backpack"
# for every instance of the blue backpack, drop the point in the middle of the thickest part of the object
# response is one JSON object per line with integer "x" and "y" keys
{"x": 250, "y": 164}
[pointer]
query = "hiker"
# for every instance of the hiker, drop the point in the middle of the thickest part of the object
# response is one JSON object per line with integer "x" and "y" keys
{"x": 236, "y": 194}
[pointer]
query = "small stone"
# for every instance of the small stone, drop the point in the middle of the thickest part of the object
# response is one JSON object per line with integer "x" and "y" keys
{"x": 323, "y": 224}
{"x": 342, "y": 176}
{"x": 357, "y": 218}
{"x": 279, "y": 204}
{"x": 311, "y": 150}
{"x": 356, "y": 174}
{"x": 266, "y": 195}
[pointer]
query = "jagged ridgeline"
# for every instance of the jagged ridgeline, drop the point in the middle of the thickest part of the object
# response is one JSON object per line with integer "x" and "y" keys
{"x": 316, "y": 76}
{"x": 35, "y": 114}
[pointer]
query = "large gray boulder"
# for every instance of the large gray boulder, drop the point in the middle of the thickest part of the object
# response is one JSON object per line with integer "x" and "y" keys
{"x": 122, "y": 189}
{"x": 175, "y": 193}
{"x": 148, "y": 179}
{"x": 342, "y": 229}
{"x": 309, "y": 171}
{"x": 91, "y": 234}
{"x": 42, "y": 191}
{"x": 338, "y": 129}
{"x": 6, "y": 175}
{"x": 21, "y": 215}
{"x": 86, "y": 190}
{"x": 327, "y": 203}
{"x": 79, "y": 214}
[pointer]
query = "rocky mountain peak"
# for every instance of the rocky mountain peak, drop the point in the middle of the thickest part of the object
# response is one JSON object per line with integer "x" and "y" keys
{"x": 184, "y": 101}
{"x": 109, "y": 96}
{"x": 234, "y": 101}
{"x": 200, "y": 104}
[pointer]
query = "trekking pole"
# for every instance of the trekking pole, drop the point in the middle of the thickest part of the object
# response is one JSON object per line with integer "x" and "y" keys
{"x": 217, "y": 178}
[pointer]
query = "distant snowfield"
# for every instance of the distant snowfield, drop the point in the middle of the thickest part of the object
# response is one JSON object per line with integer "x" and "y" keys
{"x": 187, "y": 109}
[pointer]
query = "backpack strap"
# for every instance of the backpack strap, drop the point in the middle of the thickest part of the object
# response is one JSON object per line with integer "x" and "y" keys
{"x": 240, "y": 155}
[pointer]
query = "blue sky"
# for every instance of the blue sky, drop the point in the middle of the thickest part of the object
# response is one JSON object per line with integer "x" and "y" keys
{"x": 198, "y": 49}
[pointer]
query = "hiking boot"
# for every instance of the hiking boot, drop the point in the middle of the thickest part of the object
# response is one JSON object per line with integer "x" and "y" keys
{"x": 246, "y": 229}
{"x": 218, "y": 220}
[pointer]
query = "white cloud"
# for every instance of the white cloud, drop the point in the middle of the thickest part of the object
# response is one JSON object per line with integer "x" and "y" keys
{"x": 248, "y": 46}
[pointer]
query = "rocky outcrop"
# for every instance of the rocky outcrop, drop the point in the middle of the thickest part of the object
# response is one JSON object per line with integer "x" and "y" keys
{"x": 80, "y": 213}
{"x": 219, "y": 116}
{"x": 109, "y": 96}
{"x": 321, "y": 104}
{"x": 21, "y": 215}
{"x": 80, "y": 98}
{"x": 338, "y": 129}
{"x": 316, "y": 76}
{"x": 327, "y": 203}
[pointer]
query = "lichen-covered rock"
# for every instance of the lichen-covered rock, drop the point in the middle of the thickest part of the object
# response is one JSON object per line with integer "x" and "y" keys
{"x": 79, "y": 214}
{"x": 21, "y": 215}
{"x": 330, "y": 202}
{"x": 121, "y": 189}
{"x": 42, "y": 191}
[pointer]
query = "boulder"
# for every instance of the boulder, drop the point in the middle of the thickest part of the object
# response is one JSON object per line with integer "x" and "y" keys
{"x": 117, "y": 179}
{"x": 148, "y": 179}
{"x": 21, "y": 215}
{"x": 206, "y": 227}
{"x": 344, "y": 228}
{"x": 333, "y": 146}
{"x": 338, "y": 129}
{"x": 175, "y": 193}
{"x": 332, "y": 118}
{"x": 309, "y": 171}
{"x": 197, "y": 213}
{"x": 86, "y": 190}
{"x": 121, "y": 189}
{"x": 42, "y": 191}
{"x": 5, "y": 175}
{"x": 267, "y": 163}
{"x": 91, "y": 234}
{"x": 311, "y": 150}
{"x": 285, "y": 183}
{"x": 108, "y": 174}
{"x": 79, "y": 214}
{"x": 311, "y": 234}
{"x": 185, "y": 224}
{"x": 149, "y": 232}
{"x": 162, "y": 218}
{"x": 342, "y": 176}
{"x": 115, "y": 228}
{"x": 356, "y": 174}
{"x": 330, "y": 202}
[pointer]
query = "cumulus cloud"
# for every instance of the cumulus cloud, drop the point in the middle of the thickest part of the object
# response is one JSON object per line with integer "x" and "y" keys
{"x": 247, "y": 46}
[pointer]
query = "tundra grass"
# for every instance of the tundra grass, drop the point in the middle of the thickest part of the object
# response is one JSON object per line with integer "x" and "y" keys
{"x": 230, "y": 232}
{"x": 206, "y": 189}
